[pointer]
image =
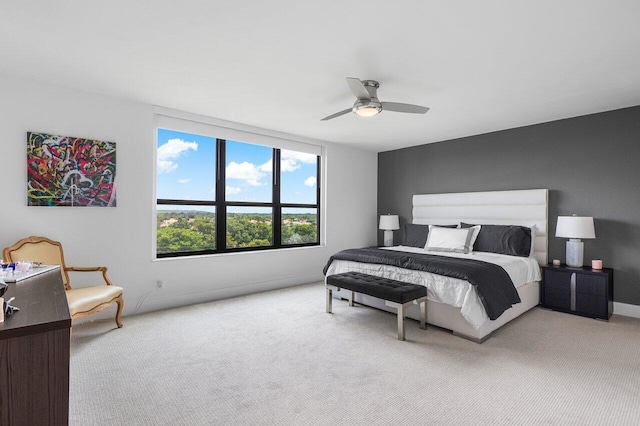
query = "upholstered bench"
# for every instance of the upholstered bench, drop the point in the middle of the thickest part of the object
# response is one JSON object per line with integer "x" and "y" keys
{"x": 396, "y": 294}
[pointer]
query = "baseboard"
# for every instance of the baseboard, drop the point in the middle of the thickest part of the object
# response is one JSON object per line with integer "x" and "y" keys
{"x": 626, "y": 309}
{"x": 166, "y": 300}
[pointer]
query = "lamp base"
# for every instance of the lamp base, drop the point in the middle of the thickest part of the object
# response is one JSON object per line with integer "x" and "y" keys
{"x": 575, "y": 253}
{"x": 388, "y": 238}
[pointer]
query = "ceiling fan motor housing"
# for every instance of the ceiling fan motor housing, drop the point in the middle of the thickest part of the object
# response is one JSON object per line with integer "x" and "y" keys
{"x": 372, "y": 106}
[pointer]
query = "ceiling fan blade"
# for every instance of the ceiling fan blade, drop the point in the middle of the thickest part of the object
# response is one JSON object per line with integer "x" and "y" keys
{"x": 337, "y": 114}
{"x": 398, "y": 107}
{"x": 358, "y": 89}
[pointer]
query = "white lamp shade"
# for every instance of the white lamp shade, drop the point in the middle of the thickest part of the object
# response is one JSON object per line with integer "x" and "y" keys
{"x": 575, "y": 227}
{"x": 389, "y": 222}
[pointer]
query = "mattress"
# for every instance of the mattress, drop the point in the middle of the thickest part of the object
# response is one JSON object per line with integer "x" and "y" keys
{"x": 451, "y": 291}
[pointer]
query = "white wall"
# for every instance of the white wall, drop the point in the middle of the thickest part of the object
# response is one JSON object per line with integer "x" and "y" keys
{"x": 121, "y": 237}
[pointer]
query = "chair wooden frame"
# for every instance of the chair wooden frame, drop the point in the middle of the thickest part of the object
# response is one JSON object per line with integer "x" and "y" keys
{"x": 7, "y": 255}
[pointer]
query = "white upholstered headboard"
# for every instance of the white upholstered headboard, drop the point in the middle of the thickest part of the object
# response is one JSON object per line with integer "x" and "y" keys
{"x": 521, "y": 207}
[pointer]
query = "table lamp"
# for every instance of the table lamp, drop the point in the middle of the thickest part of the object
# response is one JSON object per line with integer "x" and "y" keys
{"x": 389, "y": 223}
{"x": 575, "y": 227}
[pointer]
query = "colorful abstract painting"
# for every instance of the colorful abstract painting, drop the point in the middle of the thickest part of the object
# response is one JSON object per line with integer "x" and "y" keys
{"x": 67, "y": 171}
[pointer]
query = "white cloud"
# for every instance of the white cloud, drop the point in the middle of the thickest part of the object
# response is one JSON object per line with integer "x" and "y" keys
{"x": 183, "y": 180}
{"x": 290, "y": 160}
{"x": 233, "y": 190}
{"x": 171, "y": 150}
{"x": 310, "y": 181}
{"x": 247, "y": 172}
{"x": 288, "y": 165}
{"x": 267, "y": 167}
{"x": 298, "y": 156}
{"x": 165, "y": 166}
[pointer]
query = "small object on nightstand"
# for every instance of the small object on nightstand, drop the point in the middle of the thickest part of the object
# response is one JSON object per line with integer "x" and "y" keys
{"x": 556, "y": 262}
{"x": 596, "y": 264}
{"x": 581, "y": 291}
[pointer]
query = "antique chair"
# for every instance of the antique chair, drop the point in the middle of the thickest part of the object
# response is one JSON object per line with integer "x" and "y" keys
{"x": 83, "y": 301}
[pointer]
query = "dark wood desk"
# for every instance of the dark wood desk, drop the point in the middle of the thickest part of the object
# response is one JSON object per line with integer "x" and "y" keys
{"x": 34, "y": 353}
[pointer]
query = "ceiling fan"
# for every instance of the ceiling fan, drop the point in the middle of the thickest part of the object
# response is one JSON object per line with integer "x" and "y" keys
{"x": 368, "y": 104}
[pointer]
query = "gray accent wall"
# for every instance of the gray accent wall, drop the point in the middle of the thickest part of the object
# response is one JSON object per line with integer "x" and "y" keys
{"x": 590, "y": 164}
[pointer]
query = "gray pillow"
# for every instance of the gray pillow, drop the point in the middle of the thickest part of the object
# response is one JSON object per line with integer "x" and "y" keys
{"x": 416, "y": 235}
{"x": 513, "y": 240}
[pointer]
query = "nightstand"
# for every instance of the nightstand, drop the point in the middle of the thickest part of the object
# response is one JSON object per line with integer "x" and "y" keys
{"x": 581, "y": 291}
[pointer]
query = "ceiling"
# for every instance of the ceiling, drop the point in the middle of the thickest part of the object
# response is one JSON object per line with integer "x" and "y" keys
{"x": 281, "y": 64}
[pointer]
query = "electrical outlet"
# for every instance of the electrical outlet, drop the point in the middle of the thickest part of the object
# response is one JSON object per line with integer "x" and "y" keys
{"x": 160, "y": 284}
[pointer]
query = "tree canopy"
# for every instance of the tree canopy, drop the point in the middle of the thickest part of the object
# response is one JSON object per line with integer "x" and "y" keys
{"x": 180, "y": 231}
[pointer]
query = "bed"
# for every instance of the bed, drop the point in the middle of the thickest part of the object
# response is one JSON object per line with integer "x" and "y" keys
{"x": 454, "y": 304}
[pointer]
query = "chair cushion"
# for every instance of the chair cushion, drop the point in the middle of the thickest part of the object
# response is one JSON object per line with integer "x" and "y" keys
{"x": 84, "y": 299}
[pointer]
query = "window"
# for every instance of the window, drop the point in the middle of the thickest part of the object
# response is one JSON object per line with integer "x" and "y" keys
{"x": 220, "y": 195}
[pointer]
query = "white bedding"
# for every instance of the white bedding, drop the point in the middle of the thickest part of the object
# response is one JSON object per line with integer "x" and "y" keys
{"x": 452, "y": 291}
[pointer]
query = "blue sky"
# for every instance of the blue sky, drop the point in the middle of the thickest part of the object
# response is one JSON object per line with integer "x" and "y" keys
{"x": 185, "y": 170}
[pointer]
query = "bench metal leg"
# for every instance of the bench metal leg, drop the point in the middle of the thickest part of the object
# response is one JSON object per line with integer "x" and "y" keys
{"x": 401, "y": 322}
{"x": 330, "y": 289}
{"x": 422, "y": 302}
{"x": 401, "y": 307}
{"x": 423, "y": 312}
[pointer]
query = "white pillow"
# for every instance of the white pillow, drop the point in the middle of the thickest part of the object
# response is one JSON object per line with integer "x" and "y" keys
{"x": 452, "y": 240}
{"x": 475, "y": 230}
{"x": 474, "y": 234}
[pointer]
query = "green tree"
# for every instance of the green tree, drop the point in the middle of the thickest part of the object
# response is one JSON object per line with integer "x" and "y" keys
{"x": 194, "y": 231}
{"x": 172, "y": 239}
{"x": 257, "y": 243}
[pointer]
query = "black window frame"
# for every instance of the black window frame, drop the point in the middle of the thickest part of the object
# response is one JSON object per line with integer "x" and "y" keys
{"x": 220, "y": 204}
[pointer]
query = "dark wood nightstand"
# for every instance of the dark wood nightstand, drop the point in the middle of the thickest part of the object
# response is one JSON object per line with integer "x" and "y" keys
{"x": 581, "y": 291}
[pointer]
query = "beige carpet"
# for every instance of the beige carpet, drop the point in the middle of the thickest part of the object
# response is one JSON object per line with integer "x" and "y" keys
{"x": 278, "y": 359}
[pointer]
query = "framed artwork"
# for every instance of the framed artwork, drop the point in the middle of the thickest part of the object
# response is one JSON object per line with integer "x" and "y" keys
{"x": 68, "y": 171}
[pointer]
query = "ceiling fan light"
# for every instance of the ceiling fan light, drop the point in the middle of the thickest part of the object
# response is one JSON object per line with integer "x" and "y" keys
{"x": 367, "y": 110}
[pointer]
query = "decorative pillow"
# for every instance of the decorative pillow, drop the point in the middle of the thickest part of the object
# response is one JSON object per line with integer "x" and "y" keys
{"x": 416, "y": 235}
{"x": 475, "y": 231}
{"x": 513, "y": 240}
{"x": 532, "y": 251}
{"x": 452, "y": 240}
